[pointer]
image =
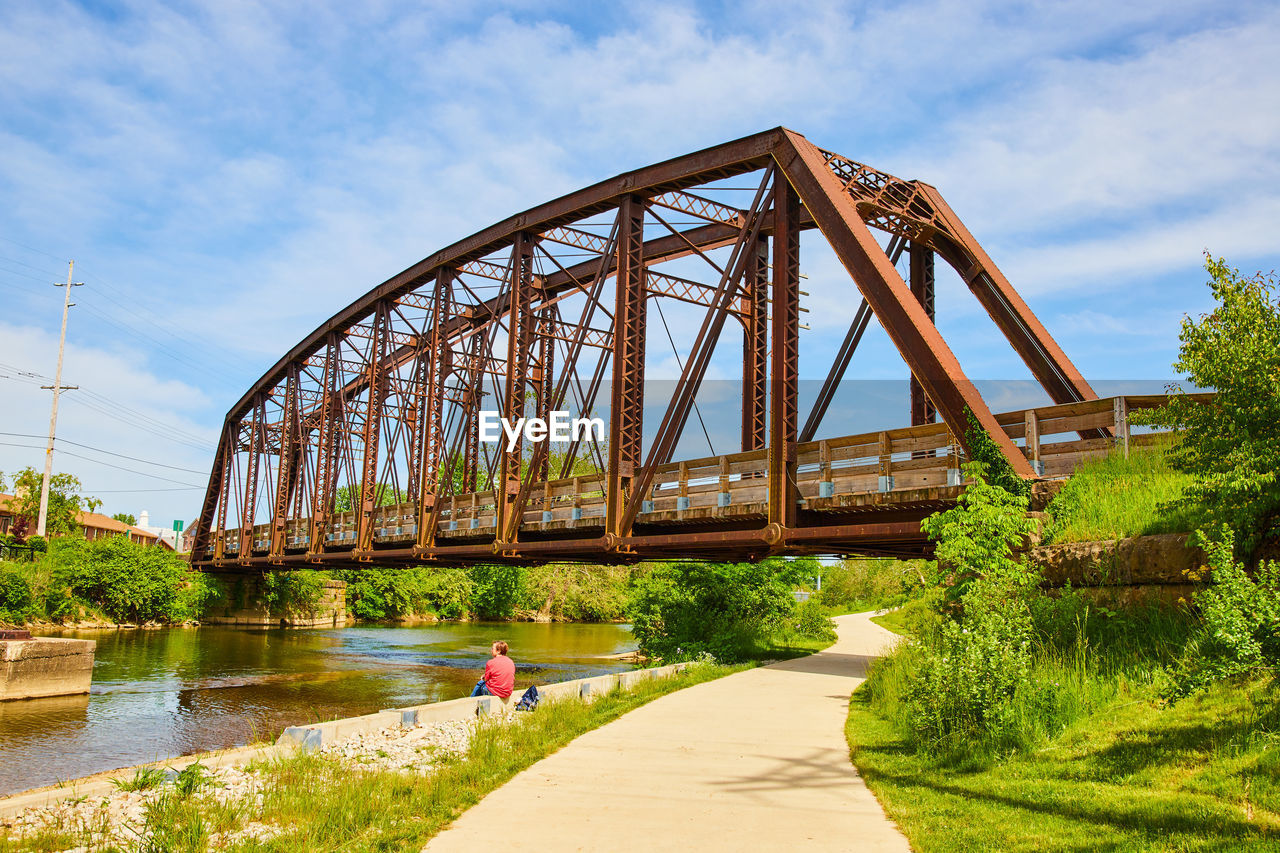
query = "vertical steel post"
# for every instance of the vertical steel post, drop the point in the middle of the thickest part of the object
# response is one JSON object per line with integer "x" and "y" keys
{"x": 545, "y": 385}
{"x": 755, "y": 349}
{"x": 287, "y": 471}
{"x": 626, "y": 406}
{"x": 785, "y": 355}
{"x": 329, "y": 421}
{"x": 921, "y": 259}
{"x": 248, "y": 510}
{"x": 436, "y": 364}
{"x": 371, "y": 436}
{"x": 520, "y": 328}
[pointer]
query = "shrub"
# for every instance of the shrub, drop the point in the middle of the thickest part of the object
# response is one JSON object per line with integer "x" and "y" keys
{"x": 291, "y": 593}
{"x": 15, "y": 596}
{"x": 577, "y": 593}
{"x": 1241, "y": 620}
{"x": 864, "y": 583}
{"x": 379, "y": 594}
{"x": 1231, "y": 444}
{"x": 811, "y": 622}
{"x": 968, "y": 671}
{"x": 129, "y": 582}
{"x": 679, "y": 611}
{"x": 37, "y": 543}
{"x": 963, "y": 688}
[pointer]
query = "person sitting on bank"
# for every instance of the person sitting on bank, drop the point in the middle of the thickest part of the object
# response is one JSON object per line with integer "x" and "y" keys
{"x": 499, "y": 674}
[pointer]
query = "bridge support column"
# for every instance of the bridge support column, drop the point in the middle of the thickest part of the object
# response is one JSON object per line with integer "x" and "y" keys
{"x": 785, "y": 354}
{"x": 626, "y": 406}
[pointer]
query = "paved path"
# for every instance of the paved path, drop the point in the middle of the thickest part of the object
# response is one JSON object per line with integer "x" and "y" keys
{"x": 754, "y": 761}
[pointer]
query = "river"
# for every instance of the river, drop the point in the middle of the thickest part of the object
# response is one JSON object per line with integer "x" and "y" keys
{"x": 162, "y": 693}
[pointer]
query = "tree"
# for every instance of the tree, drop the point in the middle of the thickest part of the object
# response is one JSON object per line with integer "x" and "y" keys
{"x": 1231, "y": 444}
{"x": 384, "y": 494}
{"x": 679, "y": 611}
{"x": 126, "y": 518}
{"x": 65, "y": 501}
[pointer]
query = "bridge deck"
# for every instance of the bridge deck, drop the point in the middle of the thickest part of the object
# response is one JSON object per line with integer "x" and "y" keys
{"x": 862, "y": 493}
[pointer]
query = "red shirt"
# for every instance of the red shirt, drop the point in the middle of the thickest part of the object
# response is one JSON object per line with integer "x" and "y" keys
{"x": 500, "y": 675}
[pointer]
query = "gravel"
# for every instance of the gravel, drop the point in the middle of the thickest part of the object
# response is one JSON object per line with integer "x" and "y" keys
{"x": 119, "y": 819}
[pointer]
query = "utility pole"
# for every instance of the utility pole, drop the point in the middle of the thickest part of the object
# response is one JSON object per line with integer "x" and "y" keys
{"x": 57, "y": 388}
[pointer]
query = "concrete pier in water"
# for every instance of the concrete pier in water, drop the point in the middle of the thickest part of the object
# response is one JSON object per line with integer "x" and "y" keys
{"x": 45, "y": 666}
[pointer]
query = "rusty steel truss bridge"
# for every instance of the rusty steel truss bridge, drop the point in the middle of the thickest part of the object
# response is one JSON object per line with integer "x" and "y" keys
{"x": 361, "y": 444}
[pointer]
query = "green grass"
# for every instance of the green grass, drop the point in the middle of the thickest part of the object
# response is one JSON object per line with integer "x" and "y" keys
{"x": 1203, "y": 775}
{"x": 1116, "y": 497}
{"x": 905, "y": 619}
{"x": 324, "y": 804}
{"x": 1102, "y": 764}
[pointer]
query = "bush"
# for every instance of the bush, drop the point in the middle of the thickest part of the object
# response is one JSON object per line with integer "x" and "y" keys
{"x": 1240, "y": 632}
{"x": 15, "y": 596}
{"x": 379, "y": 594}
{"x": 127, "y": 581}
{"x": 812, "y": 623}
{"x": 291, "y": 593}
{"x": 577, "y": 593}
{"x": 679, "y": 611}
{"x": 861, "y": 584}
{"x": 966, "y": 674}
{"x": 37, "y": 543}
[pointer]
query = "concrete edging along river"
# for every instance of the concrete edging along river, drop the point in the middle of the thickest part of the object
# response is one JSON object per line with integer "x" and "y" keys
{"x": 165, "y": 693}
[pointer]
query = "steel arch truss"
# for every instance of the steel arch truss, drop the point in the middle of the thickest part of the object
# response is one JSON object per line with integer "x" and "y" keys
{"x": 361, "y": 443}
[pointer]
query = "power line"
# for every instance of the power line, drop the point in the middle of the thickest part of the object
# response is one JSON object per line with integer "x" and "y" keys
{"x": 135, "y": 491}
{"x": 107, "y": 464}
{"x": 108, "y": 452}
{"x": 157, "y": 427}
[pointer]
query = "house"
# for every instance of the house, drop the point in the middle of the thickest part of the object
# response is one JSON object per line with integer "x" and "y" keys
{"x": 93, "y": 525}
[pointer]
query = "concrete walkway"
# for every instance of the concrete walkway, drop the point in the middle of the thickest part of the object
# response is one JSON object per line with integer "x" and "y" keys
{"x": 754, "y": 761}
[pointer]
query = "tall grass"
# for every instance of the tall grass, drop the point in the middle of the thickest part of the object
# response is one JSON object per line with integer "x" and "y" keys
{"x": 1118, "y": 496}
{"x": 1083, "y": 660}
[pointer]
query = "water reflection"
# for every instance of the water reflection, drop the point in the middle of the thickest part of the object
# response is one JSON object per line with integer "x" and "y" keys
{"x": 157, "y": 694}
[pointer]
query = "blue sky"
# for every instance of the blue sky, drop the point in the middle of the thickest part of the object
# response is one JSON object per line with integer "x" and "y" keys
{"x": 227, "y": 175}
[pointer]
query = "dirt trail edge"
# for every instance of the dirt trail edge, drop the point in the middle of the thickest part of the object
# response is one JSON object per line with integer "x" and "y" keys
{"x": 753, "y": 761}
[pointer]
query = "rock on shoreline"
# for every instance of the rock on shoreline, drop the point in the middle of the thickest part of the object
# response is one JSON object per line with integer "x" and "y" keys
{"x": 120, "y": 817}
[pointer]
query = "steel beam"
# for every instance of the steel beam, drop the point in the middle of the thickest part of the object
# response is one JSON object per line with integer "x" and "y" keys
{"x": 901, "y": 315}
{"x": 626, "y": 402}
{"x": 784, "y": 355}
{"x": 922, "y": 287}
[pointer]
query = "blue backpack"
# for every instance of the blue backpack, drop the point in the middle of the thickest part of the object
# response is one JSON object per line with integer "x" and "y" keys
{"x": 529, "y": 700}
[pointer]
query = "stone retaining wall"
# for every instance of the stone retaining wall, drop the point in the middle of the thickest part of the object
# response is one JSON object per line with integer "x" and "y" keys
{"x": 1156, "y": 569}
{"x": 244, "y": 610}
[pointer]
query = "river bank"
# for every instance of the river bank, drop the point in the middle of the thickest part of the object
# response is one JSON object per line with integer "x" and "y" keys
{"x": 158, "y": 694}
{"x": 386, "y": 787}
